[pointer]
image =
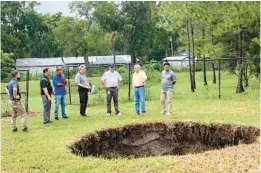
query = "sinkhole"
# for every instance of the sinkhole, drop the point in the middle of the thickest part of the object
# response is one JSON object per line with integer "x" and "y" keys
{"x": 162, "y": 138}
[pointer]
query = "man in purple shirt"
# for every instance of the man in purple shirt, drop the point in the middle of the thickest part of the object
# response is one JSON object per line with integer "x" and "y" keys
{"x": 59, "y": 83}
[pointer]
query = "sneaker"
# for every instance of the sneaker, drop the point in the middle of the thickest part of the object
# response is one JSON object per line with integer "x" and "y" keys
{"x": 162, "y": 112}
{"x": 137, "y": 113}
{"x": 168, "y": 114}
{"x": 46, "y": 122}
{"x": 25, "y": 129}
{"x": 56, "y": 118}
{"x": 118, "y": 114}
{"x": 49, "y": 121}
{"x": 15, "y": 130}
{"x": 83, "y": 115}
{"x": 143, "y": 113}
{"x": 108, "y": 114}
{"x": 65, "y": 117}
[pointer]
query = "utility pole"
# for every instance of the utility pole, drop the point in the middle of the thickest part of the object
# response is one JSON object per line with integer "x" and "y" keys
{"x": 171, "y": 43}
{"x": 113, "y": 38}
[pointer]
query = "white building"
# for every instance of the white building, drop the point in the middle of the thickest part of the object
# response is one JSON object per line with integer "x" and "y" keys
{"x": 178, "y": 61}
{"x": 36, "y": 65}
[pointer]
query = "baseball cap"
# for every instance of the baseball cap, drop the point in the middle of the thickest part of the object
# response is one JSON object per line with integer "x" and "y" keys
{"x": 112, "y": 65}
{"x": 59, "y": 68}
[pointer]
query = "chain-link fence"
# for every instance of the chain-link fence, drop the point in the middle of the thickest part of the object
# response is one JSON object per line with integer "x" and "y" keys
{"x": 213, "y": 77}
{"x": 24, "y": 90}
{"x": 94, "y": 74}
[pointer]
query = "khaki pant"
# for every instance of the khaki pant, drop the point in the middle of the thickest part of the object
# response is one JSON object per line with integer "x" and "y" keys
{"x": 166, "y": 96}
{"x": 18, "y": 110}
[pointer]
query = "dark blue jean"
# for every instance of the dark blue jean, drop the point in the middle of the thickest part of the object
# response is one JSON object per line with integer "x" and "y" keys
{"x": 139, "y": 99}
{"x": 59, "y": 99}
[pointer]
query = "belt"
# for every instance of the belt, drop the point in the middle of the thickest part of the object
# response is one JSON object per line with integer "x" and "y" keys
{"x": 139, "y": 86}
{"x": 113, "y": 87}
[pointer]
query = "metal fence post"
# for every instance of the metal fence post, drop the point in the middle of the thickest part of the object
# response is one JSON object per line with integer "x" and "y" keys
{"x": 129, "y": 93}
{"x": 69, "y": 85}
{"x": 27, "y": 90}
{"x": 219, "y": 77}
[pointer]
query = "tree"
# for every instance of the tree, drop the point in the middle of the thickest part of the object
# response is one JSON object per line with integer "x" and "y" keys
{"x": 136, "y": 19}
{"x": 25, "y": 32}
{"x": 7, "y": 63}
{"x": 179, "y": 18}
{"x": 237, "y": 19}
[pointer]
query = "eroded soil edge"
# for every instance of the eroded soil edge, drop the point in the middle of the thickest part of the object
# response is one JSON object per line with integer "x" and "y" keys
{"x": 161, "y": 138}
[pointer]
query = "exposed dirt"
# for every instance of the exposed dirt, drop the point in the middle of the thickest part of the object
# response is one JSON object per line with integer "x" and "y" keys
{"x": 161, "y": 138}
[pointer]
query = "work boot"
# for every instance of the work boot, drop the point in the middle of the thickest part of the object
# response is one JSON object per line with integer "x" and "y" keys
{"x": 25, "y": 129}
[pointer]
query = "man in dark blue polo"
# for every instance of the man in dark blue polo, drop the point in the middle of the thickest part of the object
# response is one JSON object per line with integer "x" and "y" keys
{"x": 59, "y": 83}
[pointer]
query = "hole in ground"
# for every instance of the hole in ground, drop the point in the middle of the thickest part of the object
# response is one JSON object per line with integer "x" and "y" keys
{"x": 161, "y": 138}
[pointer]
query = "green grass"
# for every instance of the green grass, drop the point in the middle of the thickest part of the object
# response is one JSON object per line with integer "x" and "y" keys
{"x": 44, "y": 148}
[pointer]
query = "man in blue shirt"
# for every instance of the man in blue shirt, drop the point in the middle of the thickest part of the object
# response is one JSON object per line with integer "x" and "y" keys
{"x": 59, "y": 83}
{"x": 12, "y": 90}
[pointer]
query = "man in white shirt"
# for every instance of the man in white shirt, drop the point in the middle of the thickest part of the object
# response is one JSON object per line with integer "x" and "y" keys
{"x": 111, "y": 80}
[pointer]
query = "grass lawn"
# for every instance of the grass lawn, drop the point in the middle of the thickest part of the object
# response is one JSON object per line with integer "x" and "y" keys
{"x": 44, "y": 147}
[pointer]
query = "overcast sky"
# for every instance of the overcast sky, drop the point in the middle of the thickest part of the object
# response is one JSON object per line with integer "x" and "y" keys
{"x": 53, "y": 7}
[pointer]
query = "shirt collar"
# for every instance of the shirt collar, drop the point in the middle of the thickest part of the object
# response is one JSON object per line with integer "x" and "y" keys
{"x": 111, "y": 72}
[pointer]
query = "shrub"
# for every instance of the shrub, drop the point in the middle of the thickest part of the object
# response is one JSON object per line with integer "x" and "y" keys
{"x": 122, "y": 70}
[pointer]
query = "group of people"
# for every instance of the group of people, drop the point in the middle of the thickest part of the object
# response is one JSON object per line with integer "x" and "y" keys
{"x": 111, "y": 79}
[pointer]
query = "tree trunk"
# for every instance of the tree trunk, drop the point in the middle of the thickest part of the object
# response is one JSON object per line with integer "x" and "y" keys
{"x": 214, "y": 73}
{"x": 193, "y": 55}
{"x": 246, "y": 74}
{"x": 114, "y": 46}
{"x": 133, "y": 58}
{"x": 204, "y": 62}
{"x": 114, "y": 56}
{"x": 240, "y": 87}
{"x": 87, "y": 63}
{"x": 171, "y": 45}
{"x": 190, "y": 70}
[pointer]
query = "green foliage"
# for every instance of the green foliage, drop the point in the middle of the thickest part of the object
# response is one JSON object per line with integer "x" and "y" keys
{"x": 98, "y": 99}
{"x": 124, "y": 74}
{"x": 143, "y": 29}
{"x": 152, "y": 71}
{"x": 7, "y": 63}
{"x": 122, "y": 70}
{"x": 199, "y": 67}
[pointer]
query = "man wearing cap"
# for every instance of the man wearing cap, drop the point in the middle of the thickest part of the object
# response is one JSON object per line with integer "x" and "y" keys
{"x": 46, "y": 93}
{"x": 83, "y": 88}
{"x": 111, "y": 80}
{"x": 138, "y": 82}
{"x": 59, "y": 83}
{"x": 12, "y": 90}
{"x": 168, "y": 80}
